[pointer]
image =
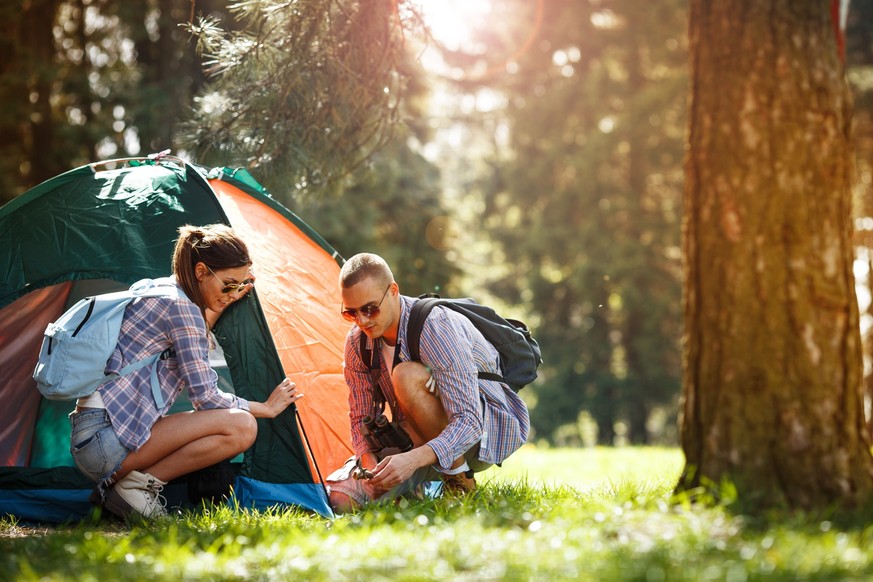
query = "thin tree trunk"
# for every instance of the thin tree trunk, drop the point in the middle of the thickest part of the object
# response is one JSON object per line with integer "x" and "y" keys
{"x": 772, "y": 379}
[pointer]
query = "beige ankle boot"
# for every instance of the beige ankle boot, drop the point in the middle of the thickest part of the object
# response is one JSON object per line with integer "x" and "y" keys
{"x": 137, "y": 493}
{"x": 460, "y": 484}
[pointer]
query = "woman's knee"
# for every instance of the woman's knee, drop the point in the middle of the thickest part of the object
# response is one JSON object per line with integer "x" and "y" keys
{"x": 243, "y": 428}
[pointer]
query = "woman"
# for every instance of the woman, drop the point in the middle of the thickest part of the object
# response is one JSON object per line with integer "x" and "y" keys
{"x": 122, "y": 437}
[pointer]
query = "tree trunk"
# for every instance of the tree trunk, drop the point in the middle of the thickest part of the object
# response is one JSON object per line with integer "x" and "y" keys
{"x": 772, "y": 378}
{"x": 27, "y": 76}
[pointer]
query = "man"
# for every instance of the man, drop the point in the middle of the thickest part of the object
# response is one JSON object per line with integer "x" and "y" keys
{"x": 458, "y": 423}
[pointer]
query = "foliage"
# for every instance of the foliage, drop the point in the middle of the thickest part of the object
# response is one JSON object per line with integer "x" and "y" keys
{"x": 309, "y": 97}
{"x": 302, "y": 93}
{"x": 309, "y": 105}
{"x": 89, "y": 79}
{"x": 584, "y": 200}
{"x": 391, "y": 205}
{"x": 508, "y": 530}
{"x": 392, "y": 209}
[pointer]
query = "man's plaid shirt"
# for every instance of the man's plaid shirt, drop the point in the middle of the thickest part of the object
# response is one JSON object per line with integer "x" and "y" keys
{"x": 479, "y": 411}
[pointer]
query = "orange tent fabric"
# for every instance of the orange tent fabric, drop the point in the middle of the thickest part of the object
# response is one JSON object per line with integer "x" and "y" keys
{"x": 301, "y": 288}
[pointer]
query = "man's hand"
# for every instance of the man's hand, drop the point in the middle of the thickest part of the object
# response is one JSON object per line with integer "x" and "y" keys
{"x": 395, "y": 469}
{"x": 359, "y": 472}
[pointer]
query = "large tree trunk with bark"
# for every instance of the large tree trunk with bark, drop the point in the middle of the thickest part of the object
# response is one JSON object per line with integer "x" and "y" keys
{"x": 772, "y": 379}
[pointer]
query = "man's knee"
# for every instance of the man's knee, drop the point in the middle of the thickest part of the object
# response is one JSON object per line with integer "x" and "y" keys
{"x": 410, "y": 378}
{"x": 410, "y": 373}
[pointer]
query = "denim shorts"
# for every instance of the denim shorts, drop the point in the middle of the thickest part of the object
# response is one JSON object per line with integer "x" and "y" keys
{"x": 94, "y": 445}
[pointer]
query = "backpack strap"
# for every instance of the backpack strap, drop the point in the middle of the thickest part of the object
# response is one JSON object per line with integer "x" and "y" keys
{"x": 153, "y": 288}
{"x": 379, "y": 399}
{"x": 153, "y": 376}
{"x": 420, "y": 310}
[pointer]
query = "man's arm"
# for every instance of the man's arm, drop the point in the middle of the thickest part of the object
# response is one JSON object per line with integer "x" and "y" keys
{"x": 357, "y": 377}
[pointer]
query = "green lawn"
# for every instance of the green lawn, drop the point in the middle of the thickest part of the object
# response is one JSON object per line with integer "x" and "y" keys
{"x": 588, "y": 514}
{"x": 585, "y": 469}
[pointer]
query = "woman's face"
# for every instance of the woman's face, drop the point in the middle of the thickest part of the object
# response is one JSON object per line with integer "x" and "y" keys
{"x": 221, "y": 287}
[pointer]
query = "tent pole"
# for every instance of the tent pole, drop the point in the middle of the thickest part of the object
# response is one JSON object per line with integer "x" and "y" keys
{"x": 309, "y": 448}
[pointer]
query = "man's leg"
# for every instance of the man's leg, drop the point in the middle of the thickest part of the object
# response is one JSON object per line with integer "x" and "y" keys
{"x": 417, "y": 395}
{"x": 422, "y": 407}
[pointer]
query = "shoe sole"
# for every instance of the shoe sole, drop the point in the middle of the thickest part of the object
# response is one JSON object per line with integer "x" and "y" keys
{"x": 116, "y": 505}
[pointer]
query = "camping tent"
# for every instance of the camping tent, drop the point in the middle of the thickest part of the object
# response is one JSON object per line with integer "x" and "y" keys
{"x": 104, "y": 226}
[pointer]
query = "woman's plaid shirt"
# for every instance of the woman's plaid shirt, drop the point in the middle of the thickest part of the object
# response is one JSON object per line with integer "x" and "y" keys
{"x": 152, "y": 325}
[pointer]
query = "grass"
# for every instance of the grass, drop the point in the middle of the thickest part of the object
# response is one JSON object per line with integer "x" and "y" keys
{"x": 593, "y": 467}
{"x": 592, "y": 514}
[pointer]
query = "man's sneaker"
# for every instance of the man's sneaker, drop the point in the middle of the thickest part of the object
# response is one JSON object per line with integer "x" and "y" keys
{"x": 459, "y": 484}
{"x": 137, "y": 493}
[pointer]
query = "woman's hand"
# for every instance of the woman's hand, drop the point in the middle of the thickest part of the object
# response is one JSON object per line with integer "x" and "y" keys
{"x": 282, "y": 397}
{"x": 248, "y": 288}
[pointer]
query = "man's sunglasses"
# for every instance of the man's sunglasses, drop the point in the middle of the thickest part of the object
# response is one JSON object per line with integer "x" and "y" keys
{"x": 369, "y": 310}
{"x": 231, "y": 287}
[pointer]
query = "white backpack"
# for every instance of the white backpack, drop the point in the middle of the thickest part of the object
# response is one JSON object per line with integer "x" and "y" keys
{"x": 76, "y": 347}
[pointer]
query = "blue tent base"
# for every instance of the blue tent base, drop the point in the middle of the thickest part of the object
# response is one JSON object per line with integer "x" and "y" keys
{"x": 46, "y": 505}
{"x": 35, "y": 500}
{"x": 253, "y": 494}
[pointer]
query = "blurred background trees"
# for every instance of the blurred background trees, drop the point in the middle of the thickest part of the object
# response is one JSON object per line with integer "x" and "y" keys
{"x": 582, "y": 199}
{"x": 91, "y": 79}
{"x": 528, "y": 152}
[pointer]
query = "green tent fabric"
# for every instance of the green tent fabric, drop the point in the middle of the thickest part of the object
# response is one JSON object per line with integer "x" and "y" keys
{"x": 136, "y": 215}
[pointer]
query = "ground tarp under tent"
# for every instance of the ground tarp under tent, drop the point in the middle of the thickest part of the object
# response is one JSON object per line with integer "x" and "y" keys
{"x": 102, "y": 227}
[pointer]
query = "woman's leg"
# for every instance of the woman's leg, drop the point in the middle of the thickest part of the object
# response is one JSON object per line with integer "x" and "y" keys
{"x": 187, "y": 441}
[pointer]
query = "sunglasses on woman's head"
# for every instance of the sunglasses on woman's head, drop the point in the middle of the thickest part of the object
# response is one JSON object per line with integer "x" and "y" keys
{"x": 370, "y": 310}
{"x": 230, "y": 287}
